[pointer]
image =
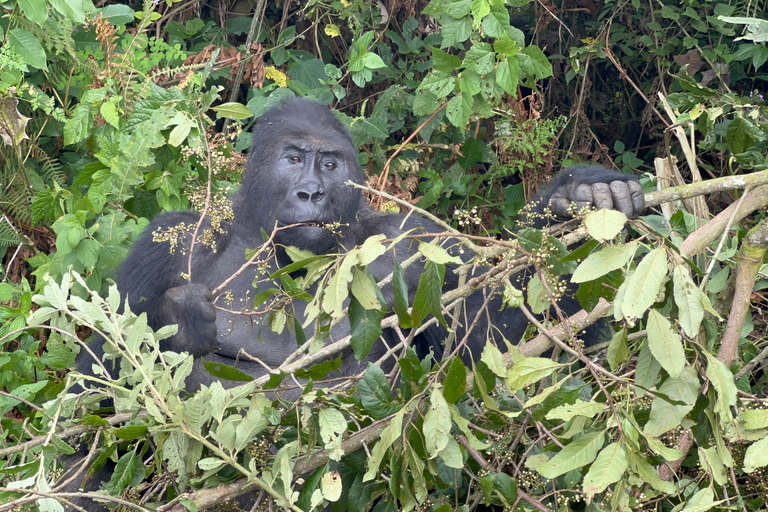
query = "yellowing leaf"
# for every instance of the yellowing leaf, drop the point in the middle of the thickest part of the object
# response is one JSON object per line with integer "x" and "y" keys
{"x": 332, "y": 30}
{"x": 604, "y": 224}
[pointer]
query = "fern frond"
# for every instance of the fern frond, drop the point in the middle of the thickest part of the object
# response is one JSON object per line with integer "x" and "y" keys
{"x": 8, "y": 235}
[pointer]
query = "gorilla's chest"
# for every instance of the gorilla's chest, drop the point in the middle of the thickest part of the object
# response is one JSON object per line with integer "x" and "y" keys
{"x": 265, "y": 331}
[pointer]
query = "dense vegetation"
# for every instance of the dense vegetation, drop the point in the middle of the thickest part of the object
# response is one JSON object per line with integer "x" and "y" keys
{"x": 113, "y": 113}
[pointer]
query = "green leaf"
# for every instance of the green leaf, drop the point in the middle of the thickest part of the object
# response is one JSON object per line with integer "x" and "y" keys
{"x": 78, "y": 127}
{"x": 604, "y": 224}
{"x": 389, "y": 435}
{"x": 72, "y": 9}
{"x": 665, "y": 344}
{"x": 87, "y": 251}
{"x": 117, "y": 14}
{"x": 375, "y": 395}
{"x": 400, "y": 289}
{"x": 491, "y": 356}
{"x": 108, "y": 111}
{"x": 496, "y": 24}
{"x": 607, "y": 259}
{"x": 701, "y": 501}
{"x": 439, "y": 83}
{"x": 618, "y": 350}
{"x": 437, "y": 423}
{"x": 373, "y": 61}
{"x": 608, "y": 468}
{"x": 534, "y": 63}
{"x": 455, "y": 8}
{"x": 506, "y": 487}
{"x": 365, "y": 327}
{"x": 428, "y": 294}
{"x": 645, "y": 283}
{"x": 567, "y": 412}
{"x": 232, "y": 110}
{"x": 455, "y": 381}
{"x": 455, "y": 31}
{"x": 364, "y": 290}
{"x": 226, "y": 372}
{"x": 318, "y": 370}
{"x": 577, "y": 454}
{"x": 722, "y": 379}
{"x": 26, "y": 46}
{"x": 507, "y": 75}
{"x": 481, "y": 58}
{"x": 649, "y": 474}
{"x": 688, "y": 300}
{"x": 437, "y": 254}
{"x": 665, "y": 415}
{"x": 459, "y": 109}
{"x": 756, "y": 456}
{"x": 36, "y": 10}
{"x": 530, "y": 370}
{"x": 128, "y": 471}
{"x": 648, "y": 368}
{"x": 755, "y": 419}
{"x": 332, "y": 428}
{"x": 131, "y": 432}
{"x": 480, "y": 9}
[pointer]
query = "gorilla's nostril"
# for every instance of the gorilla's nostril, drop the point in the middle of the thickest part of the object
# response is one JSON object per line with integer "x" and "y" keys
{"x": 303, "y": 196}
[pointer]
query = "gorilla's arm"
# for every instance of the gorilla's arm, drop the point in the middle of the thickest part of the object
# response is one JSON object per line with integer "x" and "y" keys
{"x": 585, "y": 186}
{"x": 150, "y": 279}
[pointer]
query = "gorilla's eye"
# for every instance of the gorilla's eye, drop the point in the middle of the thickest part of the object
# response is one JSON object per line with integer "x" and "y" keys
{"x": 295, "y": 159}
{"x": 330, "y": 165}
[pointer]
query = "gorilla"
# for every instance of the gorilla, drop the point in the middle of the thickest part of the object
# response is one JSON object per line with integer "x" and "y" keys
{"x": 296, "y": 179}
{"x": 301, "y": 159}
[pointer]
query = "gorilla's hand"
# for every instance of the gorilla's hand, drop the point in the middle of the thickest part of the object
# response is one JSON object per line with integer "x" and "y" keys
{"x": 624, "y": 196}
{"x": 190, "y": 306}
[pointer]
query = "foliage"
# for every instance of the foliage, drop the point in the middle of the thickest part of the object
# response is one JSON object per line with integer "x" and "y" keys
{"x": 110, "y": 116}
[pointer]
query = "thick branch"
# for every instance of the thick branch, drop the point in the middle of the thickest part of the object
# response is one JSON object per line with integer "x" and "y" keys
{"x": 707, "y": 187}
{"x": 753, "y": 248}
{"x": 701, "y": 238}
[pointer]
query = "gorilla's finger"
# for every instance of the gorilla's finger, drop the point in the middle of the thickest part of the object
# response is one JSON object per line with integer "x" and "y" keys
{"x": 206, "y": 311}
{"x": 201, "y": 290}
{"x": 558, "y": 205}
{"x": 621, "y": 197}
{"x": 601, "y": 196}
{"x": 582, "y": 195}
{"x": 208, "y": 332}
{"x": 638, "y": 197}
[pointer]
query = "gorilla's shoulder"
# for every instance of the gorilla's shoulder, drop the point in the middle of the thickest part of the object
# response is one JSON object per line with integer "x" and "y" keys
{"x": 170, "y": 219}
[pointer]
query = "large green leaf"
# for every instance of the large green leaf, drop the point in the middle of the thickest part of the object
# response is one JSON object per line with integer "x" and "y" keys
{"x": 365, "y": 327}
{"x": 605, "y": 260}
{"x": 665, "y": 344}
{"x": 666, "y": 415}
{"x": 27, "y": 47}
{"x": 644, "y": 284}
{"x": 608, "y": 468}
{"x": 36, "y": 10}
{"x": 577, "y": 454}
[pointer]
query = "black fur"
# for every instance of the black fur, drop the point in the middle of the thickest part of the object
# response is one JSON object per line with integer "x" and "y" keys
{"x": 296, "y": 172}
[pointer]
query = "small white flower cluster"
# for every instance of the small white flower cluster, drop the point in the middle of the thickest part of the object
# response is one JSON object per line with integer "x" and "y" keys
{"x": 466, "y": 218}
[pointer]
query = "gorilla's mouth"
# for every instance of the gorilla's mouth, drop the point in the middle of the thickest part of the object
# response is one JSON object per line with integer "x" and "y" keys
{"x": 302, "y": 224}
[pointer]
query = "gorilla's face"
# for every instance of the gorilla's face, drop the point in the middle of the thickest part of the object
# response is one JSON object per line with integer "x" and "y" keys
{"x": 301, "y": 159}
{"x": 314, "y": 172}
